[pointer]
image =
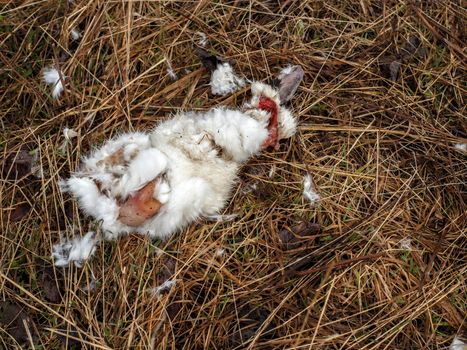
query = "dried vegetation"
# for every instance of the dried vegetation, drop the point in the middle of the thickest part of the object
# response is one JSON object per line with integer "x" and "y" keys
{"x": 378, "y": 262}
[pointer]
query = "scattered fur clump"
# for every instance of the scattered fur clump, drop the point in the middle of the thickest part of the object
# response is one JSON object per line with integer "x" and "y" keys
{"x": 224, "y": 81}
{"x": 309, "y": 191}
{"x": 54, "y": 78}
{"x": 77, "y": 250}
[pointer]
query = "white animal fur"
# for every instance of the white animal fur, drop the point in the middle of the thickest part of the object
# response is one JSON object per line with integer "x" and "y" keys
{"x": 224, "y": 81}
{"x": 78, "y": 250}
{"x": 196, "y": 156}
{"x": 286, "y": 70}
{"x": 68, "y": 134}
{"x": 287, "y": 122}
{"x": 309, "y": 191}
{"x": 75, "y": 34}
{"x": 51, "y": 76}
{"x": 203, "y": 39}
{"x": 458, "y": 344}
{"x": 170, "y": 70}
{"x": 167, "y": 285}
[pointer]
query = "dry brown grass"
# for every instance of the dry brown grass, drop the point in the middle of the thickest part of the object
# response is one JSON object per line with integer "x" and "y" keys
{"x": 381, "y": 152}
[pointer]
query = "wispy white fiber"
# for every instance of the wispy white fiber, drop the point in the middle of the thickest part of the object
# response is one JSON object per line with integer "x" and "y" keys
{"x": 222, "y": 218}
{"x": 220, "y": 252}
{"x": 405, "y": 244}
{"x": 272, "y": 171}
{"x": 78, "y": 250}
{"x": 461, "y": 146}
{"x": 249, "y": 187}
{"x": 75, "y": 34}
{"x": 68, "y": 134}
{"x": 170, "y": 70}
{"x": 167, "y": 285}
{"x": 287, "y": 70}
{"x": 203, "y": 39}
{"x": 224, "y": 81}
{"x": 309, "y": 191}
{"x": 51, "y": 77}
{"x": 458, "y": 344}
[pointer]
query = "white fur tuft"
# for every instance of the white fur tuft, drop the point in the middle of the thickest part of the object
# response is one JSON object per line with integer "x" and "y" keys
{"x": 75, "y": 34}
{"x": 309, "y": 191}
{"x": 166, "y": 286}
{"x": 287, "y": 70}
{"x": 458, "y": 344}
{"x": 94, "y": 203}
{"x": 145, "y": 167}
{"x": 287, "y": 124}
{"x": 78, "y": 250}
{"x": 259, "y": 89}
{"x": 405, "y": 244}
{"x": 203, "y": 39}
{"x": 51, "y": 76}
{"x": 68, "y": 134}
{"x": 170, "y": 70}
{"x": 224, "y": 81}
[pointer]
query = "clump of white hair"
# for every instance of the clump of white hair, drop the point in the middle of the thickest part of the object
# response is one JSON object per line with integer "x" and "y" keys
{"x": 54, "y": 78}
{"x": 76, "y": 250}
{"x": 309, "y": 190}
{"x": 224, "y": 81}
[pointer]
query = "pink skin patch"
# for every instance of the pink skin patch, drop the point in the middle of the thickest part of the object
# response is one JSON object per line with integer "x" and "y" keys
{"x": 140, "y": 206}
{"x": 268, "y": 105}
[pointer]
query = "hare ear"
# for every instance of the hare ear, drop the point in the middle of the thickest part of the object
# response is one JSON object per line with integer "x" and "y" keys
{"x": 288, "y": 81}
